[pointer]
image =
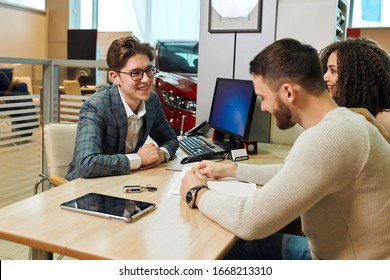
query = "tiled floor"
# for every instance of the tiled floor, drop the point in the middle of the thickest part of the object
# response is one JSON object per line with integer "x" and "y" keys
{"x": 13, "y": 251}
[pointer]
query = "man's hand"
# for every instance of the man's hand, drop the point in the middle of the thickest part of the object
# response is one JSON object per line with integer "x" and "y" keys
{"x": 216, "y": 170}
{"x": 151, "y": 156}
{"x": 191, "y": 179}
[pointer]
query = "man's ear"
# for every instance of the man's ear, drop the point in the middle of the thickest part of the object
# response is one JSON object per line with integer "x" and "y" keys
{"x": 114, "y": 77}
{"x": 288, "y": 92}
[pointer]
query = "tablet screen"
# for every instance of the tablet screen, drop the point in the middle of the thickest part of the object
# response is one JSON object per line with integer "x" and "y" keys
{"x": 109, "y": 206}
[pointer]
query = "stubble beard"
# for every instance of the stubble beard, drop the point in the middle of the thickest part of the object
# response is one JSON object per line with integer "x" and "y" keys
{"x": 283, "y": 115}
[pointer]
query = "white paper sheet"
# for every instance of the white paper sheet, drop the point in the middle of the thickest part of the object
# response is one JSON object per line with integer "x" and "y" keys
{"x": 227, "y": 185}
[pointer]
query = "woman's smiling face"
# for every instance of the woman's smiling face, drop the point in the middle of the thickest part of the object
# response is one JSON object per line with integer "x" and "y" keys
{"x": 331, "y": 76}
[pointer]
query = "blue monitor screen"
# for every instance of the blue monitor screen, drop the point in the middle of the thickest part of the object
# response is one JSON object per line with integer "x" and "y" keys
{"x": 232, "y": 107}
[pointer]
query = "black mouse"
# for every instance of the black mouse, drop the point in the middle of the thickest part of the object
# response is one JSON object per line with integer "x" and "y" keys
{"x": 191, "y": 159}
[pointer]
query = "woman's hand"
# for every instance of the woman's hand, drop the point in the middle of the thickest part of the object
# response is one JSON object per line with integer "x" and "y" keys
{"x": 372, "y": 120}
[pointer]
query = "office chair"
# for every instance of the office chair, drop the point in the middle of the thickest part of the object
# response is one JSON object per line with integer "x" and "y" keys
{"x": 59, "y": 143}
{"x": 72, "y": 87}
{"x": 26, "y": 80}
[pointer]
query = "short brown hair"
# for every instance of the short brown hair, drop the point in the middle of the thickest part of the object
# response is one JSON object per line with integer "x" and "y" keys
{"x": 289, "y": 60}
{"x": 124, "y": 48}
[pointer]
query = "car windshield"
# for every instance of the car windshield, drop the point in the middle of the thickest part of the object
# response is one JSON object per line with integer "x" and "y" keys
{"x": 178, "y": 57}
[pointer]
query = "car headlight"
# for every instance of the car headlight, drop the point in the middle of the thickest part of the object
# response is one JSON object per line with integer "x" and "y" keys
{"x": 180, "y": 103}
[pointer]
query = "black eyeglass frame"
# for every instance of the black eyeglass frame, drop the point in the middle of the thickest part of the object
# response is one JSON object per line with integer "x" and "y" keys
{"x": 150, "y": 72}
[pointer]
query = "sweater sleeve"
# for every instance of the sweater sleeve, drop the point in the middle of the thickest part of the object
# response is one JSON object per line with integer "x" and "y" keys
{"x": 259, "y": 174}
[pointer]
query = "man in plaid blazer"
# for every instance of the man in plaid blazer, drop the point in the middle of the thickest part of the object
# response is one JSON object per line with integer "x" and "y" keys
{"x": 115, "y": 122}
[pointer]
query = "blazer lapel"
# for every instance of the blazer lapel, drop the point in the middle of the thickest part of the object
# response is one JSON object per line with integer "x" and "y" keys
{"x": 120, "y": 116}
{"x": 146, "y": 127}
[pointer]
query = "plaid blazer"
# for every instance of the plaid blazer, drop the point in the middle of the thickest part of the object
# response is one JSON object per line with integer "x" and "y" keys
{"x": 102, "y": 132}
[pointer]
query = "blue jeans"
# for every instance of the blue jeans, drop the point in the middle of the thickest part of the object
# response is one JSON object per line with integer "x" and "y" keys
{"x": 278, "y": 246}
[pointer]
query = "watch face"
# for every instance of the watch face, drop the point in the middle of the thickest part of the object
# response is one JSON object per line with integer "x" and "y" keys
{"x": 189, "y": 196}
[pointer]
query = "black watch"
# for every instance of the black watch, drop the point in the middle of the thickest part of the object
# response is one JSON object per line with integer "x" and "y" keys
{"x": 192, "y": 193}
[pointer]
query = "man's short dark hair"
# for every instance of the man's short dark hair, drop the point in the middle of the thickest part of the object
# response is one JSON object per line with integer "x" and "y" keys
{"x": 289, "y": 60}
{"x": 124, "y": 48}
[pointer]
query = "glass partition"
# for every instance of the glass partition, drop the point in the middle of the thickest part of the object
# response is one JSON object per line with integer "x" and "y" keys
{"x": 33, "y": 93}
{"x": 21, "y": 91}
{"x": 76, "y": 84}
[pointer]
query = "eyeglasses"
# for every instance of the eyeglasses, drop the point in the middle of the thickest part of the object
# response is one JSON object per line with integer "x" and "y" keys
{"x": 137, "y": 75}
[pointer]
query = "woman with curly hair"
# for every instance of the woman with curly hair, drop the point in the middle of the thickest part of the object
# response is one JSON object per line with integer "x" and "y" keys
{"x": 357, "y": 75}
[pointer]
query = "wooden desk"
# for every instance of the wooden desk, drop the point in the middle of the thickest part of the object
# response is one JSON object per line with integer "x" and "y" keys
{"x": 172, "y": 231}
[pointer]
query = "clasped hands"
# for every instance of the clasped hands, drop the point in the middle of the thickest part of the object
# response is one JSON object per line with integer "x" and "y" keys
{"x": 199, "y": 174}
{"x": 151, "y": 156}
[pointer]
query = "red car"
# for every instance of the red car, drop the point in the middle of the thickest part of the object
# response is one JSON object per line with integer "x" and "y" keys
{"x": 176, "y": 81}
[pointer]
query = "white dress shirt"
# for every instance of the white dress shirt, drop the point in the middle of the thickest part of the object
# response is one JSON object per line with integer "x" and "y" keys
{"x": 134, "y": 129}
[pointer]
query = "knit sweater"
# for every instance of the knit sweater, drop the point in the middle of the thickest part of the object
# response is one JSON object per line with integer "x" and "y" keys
{"x": 336, "y": 177}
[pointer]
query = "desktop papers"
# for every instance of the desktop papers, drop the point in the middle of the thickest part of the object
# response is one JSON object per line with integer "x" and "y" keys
{"x": 227, "y": 185}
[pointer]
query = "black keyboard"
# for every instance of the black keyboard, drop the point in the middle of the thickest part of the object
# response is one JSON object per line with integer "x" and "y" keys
{"x": 197, "y": 145}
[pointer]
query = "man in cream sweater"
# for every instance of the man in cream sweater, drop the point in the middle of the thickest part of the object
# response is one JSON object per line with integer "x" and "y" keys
{"x": 336, "y": 176}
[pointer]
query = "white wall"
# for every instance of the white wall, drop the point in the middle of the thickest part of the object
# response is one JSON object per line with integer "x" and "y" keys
{"x": 216, "y": 53}
{"x": 311, "y": 22}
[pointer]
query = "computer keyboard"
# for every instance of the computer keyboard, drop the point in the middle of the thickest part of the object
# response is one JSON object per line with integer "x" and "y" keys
{"x": 198, "y": 145}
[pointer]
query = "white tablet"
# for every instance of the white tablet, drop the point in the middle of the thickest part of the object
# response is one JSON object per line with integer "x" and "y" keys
{"x": 102, "y": 205}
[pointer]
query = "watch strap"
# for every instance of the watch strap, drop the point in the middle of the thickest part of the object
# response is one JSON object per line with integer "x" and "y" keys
{"x": 194, "y": 191}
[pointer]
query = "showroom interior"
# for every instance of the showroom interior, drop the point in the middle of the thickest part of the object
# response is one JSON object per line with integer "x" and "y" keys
{"x": 36, "y": 44}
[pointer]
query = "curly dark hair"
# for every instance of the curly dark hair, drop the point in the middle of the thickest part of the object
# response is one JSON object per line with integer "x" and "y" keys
{"x": 363, "y": 74}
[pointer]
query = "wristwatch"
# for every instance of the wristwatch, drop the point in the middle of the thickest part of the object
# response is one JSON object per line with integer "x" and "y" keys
{"x": 167, "y": 156}
{"x": 191, "y": 195}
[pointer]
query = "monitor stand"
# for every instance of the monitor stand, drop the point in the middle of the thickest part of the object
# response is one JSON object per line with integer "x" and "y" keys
{"x": 228, "y": 141}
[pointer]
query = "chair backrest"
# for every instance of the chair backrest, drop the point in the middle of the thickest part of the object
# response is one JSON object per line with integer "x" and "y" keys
{"x": 26, "y": 80}
{"x": 72, "y": 87}
{"x": 59, "y": 143}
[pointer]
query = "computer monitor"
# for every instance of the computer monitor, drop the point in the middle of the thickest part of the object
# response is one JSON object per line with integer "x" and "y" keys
{"x": 87, "y": 81}
{"x": 232, "y": 108}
